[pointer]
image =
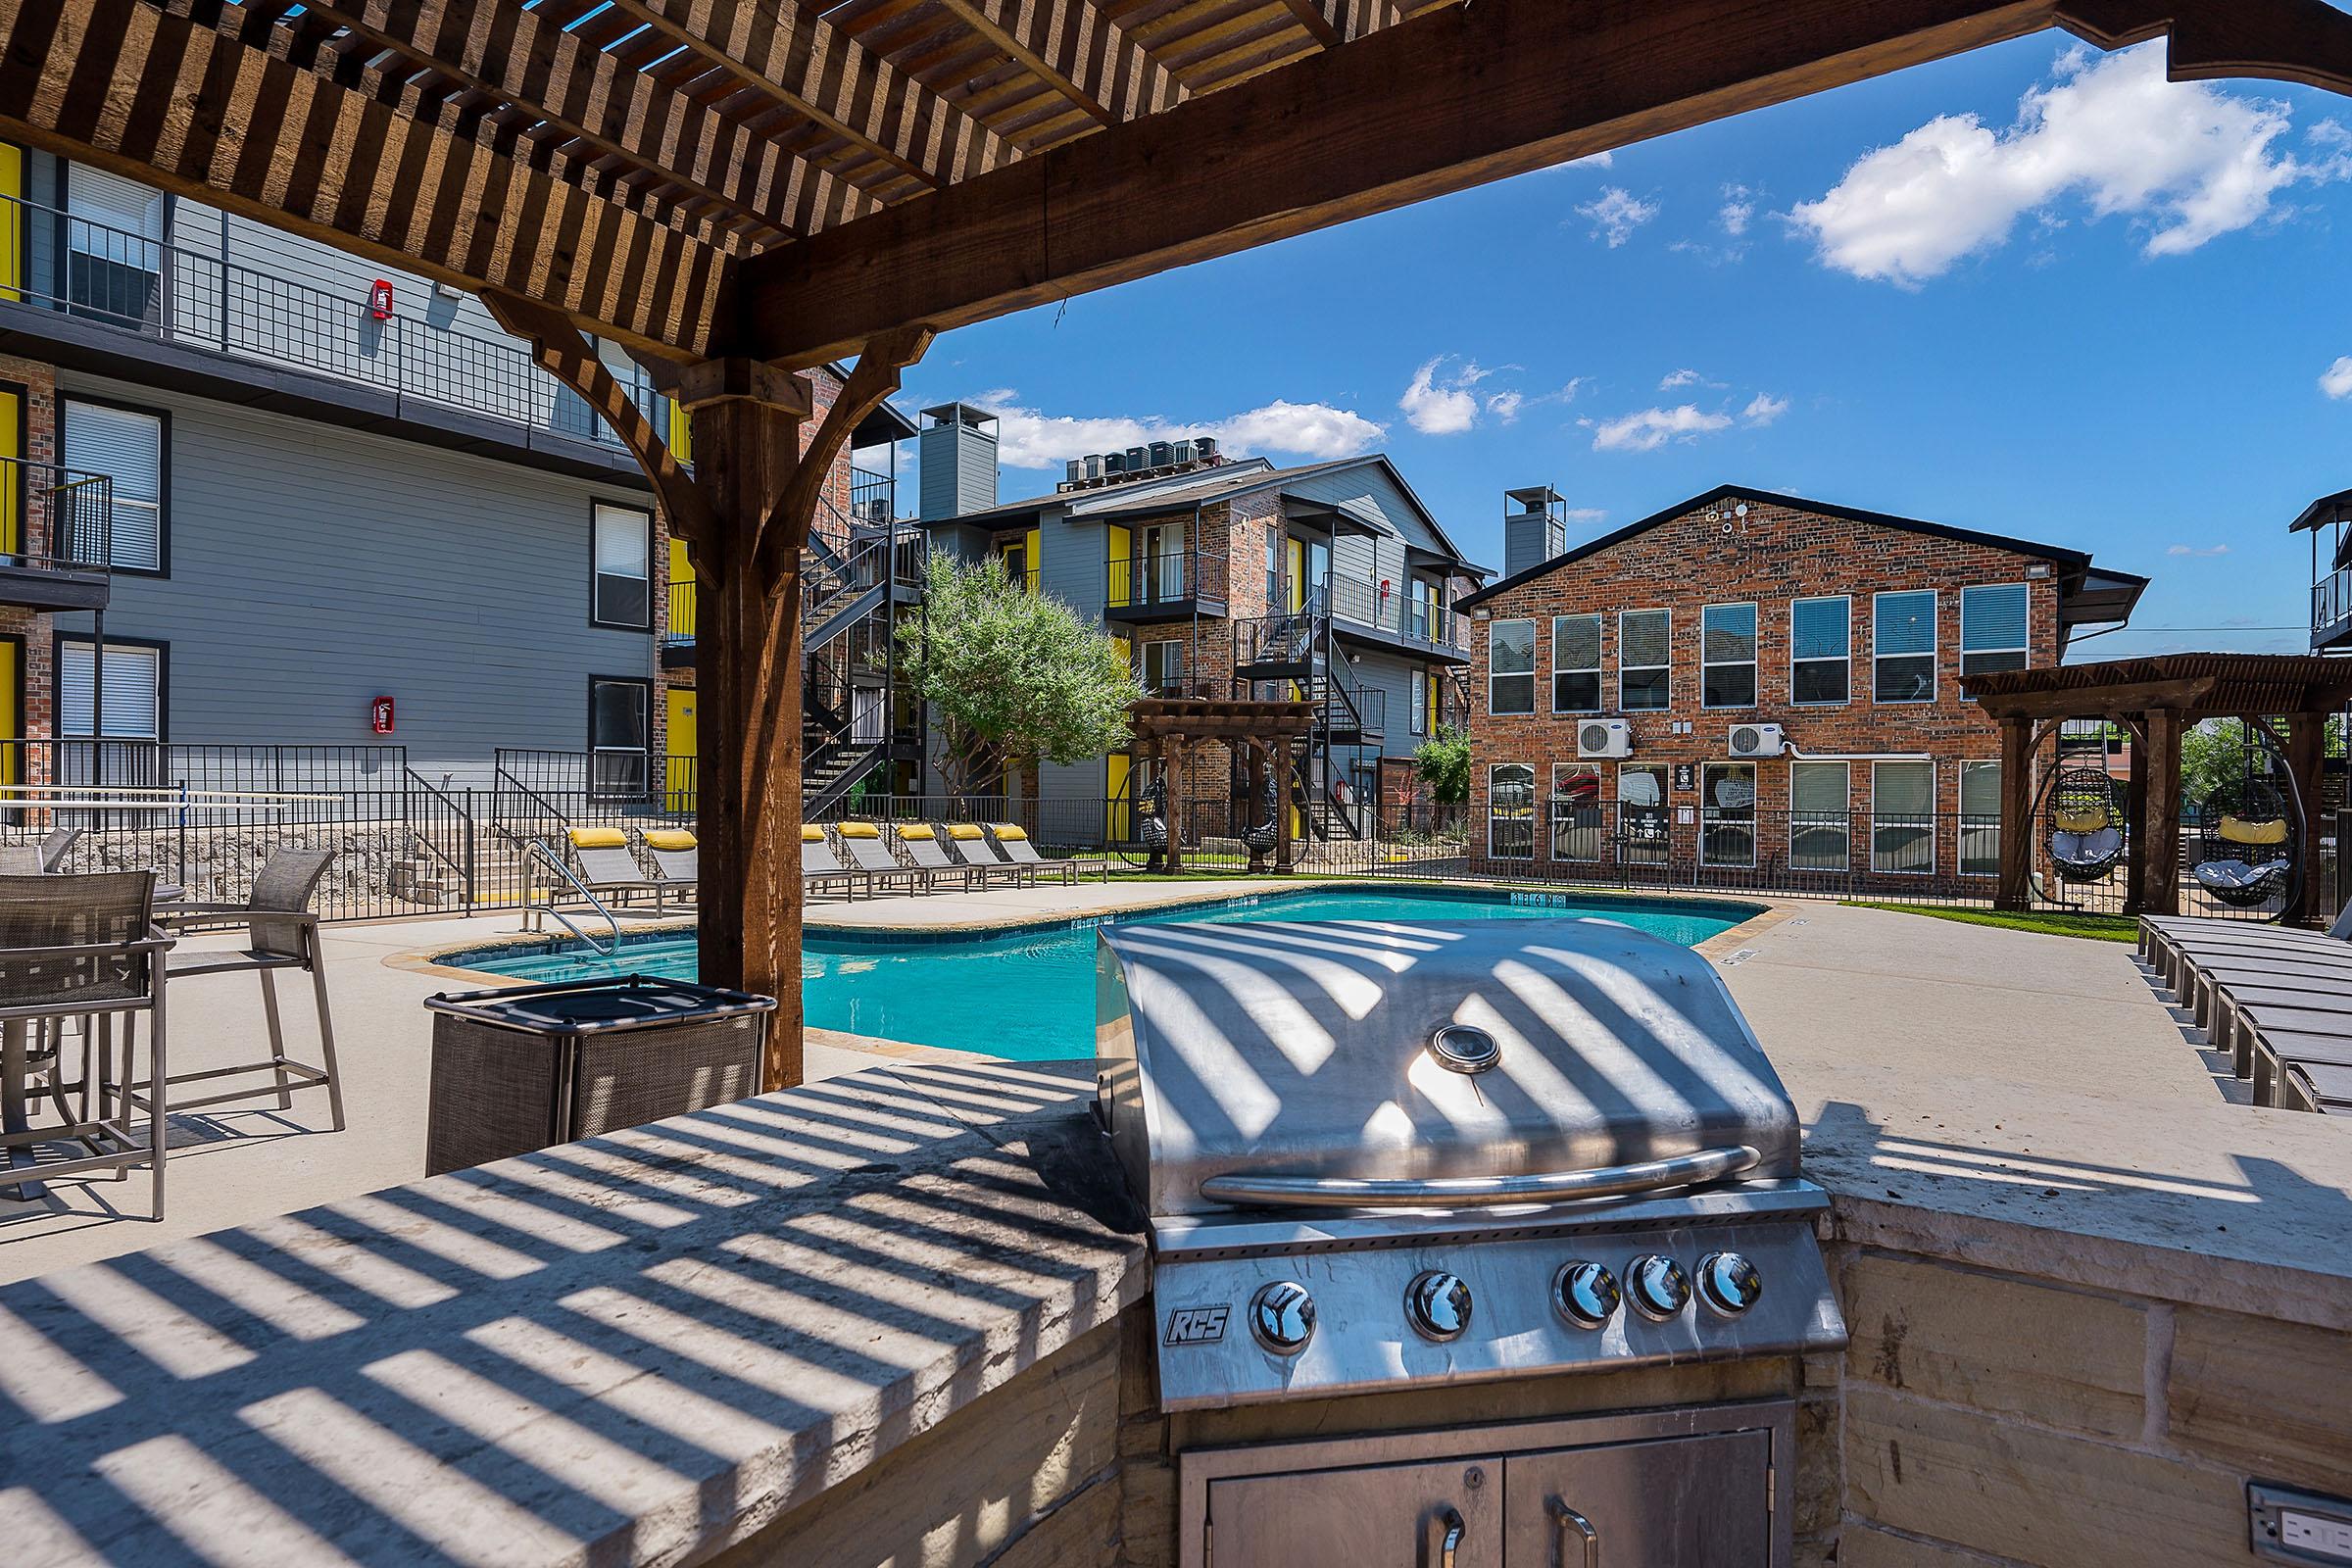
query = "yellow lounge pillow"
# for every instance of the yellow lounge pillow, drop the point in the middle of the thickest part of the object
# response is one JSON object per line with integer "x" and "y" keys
{"x": 599, "y": 838}
{"x": 1007, "y": 830}
{"x": 810, "y": 833}
{"x": 669, "y": 837}
{"x": 918, "y": 830}
{"x": 964, "y": 831}
{"x": 2237, "y": 830}
{"x": 857, "y": 830}
{"x": 2089, "y": 822}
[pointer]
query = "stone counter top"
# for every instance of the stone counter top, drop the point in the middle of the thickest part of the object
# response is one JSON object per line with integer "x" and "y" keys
{"x": 636, "y": 1349}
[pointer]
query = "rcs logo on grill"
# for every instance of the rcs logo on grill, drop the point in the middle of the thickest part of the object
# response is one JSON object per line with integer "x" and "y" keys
{"x": 1196, "y": 1325}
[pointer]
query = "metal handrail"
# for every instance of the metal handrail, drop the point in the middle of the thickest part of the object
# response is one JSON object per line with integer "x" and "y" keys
{"x": 538, "y": 847}
{"x": 1475, "y": 1192}
{"x": 448, "y": 803}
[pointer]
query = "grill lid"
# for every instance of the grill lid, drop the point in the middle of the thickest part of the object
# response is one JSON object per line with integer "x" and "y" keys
{"x": 1442, "y": 1065}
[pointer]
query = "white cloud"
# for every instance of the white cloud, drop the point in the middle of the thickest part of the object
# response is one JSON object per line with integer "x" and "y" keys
{"x": 2186, "y": 161}
{"x": 1447, "y": 406}
{"x": 1591, "y": 161}
{"x": 2193, "y": 550}
{"x": 1685, "y": 378}
{"x": 1738, "y": 211}
{"x": 1651, "y": 428}
{"x": 1763, "y": 408}
{"x": 1585, "y": 513}
{"x": 2336, "y": 380}
{"x": 1506, "y": 406}
{"x": 1029, "y": 439}
{"x": 1616, "y": 212}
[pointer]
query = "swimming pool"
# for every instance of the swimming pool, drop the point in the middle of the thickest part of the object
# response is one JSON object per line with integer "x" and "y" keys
{"x": 1029, "y": 993}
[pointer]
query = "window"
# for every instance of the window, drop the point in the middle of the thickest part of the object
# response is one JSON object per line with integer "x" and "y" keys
{"x": 1575, "y": 663}
{"x": 1979, "y": 819}
{"x": 128, "y": 446}
{"x": 1820, "y": 800}
{"x": 1820, "y": 650}
{"x": 1420, "y": 703}
{"x": 1993, "y": 628}
{"x": 1641, "y": 819}
{"x": 621, "y": 586}
{"x": 131, "y": 704}
{"x": 1511, "y": 807}
{"x": 1727, "y": 655}
{"x": 1578, "y": 825}
{"x": 619, "y": 735}
{"x": 1902, "y": 816}
{"x": 1902, "y": 647}
{"x": 113, "y": 246}
{"x": 1643, "y": 641}
{"x": 1511, "y": 667}
{"x": 1163, "y": 668}
{"x": 1728, "y": 814}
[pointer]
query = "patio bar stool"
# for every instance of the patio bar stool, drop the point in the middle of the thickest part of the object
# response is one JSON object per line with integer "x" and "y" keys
{"x": 80, "y": 948}
{"x": 281, "y": 933}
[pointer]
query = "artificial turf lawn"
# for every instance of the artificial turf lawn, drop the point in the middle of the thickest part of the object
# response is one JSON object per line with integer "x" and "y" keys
{"x": 2091, "y": 927}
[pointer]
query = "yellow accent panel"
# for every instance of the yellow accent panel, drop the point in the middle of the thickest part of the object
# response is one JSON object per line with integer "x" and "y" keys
{"x": 668, "y": 838}
{"x": 679, "y": 769}
{"x": 857, "y": 830}
{"x": 964, "y": 832}
{"x": 681, "y": 433}
{"x": 11, "y": 716}
{"x": 1117, "y": 769}
{"x": 1297, "y": 595}
{"x": 2237, "y": 830}
{"x": 14, "y": 480}
{"x": 917, "y": 830}
{"x": 1036, "y": 559}
{"x": 1118, "y": 552}
{"x": 811, "y": 834}
{"x": 12, "y": 222}
{"x": 1007, "y": 830}
{"x": 597, "y": 838}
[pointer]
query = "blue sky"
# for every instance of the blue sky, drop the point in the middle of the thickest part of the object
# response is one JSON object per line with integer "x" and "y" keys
{"x": 2035, "y": 290}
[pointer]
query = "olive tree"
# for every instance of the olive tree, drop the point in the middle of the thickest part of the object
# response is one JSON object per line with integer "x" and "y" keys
{"x": 1011, "y": 677}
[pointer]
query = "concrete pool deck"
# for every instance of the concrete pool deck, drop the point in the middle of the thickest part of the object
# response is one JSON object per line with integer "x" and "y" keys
{"x": 1915, "y": 1049}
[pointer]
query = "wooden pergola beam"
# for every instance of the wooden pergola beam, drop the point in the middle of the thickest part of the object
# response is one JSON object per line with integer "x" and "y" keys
{"x": 1336, "y": 22}
{"x": 1081, "y": 54}
{"x": 157, "y": 98}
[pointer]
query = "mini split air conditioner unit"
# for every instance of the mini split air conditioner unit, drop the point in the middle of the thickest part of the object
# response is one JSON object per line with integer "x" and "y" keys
{"x": 1604, "y": 737}
{"x": 1757, "y": 740}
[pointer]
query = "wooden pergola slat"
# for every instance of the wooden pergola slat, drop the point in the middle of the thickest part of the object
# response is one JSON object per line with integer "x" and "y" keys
{"x": 1078, "y": 52}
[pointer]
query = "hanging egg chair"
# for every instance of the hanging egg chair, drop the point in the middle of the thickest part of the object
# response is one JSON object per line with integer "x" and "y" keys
{"x": 2248, "y": 848}
{"x": 2085, "y": 824}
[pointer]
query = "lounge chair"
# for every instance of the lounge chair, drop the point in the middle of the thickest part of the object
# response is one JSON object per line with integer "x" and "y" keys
{"x": 820, "y": 866}
{"x": 871, "y": 856}
{"x": 55, "y": 845}
{"x": 608, "y": 866}
{"x": 1012, "y": 841}
{"x": 968, "y": 842}
{"x": 2310, "y": 1085}
{"x": 921, "y": 840}
{"x": 677, "y": 858}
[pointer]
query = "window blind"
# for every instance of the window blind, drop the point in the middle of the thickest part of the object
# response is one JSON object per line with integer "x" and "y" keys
{"x": 114, "y": 201}
{"x": 623, "y": 556}
{"x": 1906, "y": 623}
{"x": 128, "y": 446}
{"x": 1818, "y": 628}
{"x": 133, "y": 705}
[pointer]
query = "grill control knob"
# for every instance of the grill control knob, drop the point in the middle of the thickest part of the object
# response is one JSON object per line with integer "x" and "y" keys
{"x": 1586, "y": 1294}
{"x": 1282, "y": 1317}
{"x": 1438, "y": 1305}
{"x": 1658, "y": 1287}
{"x": 1729, "y": 1283}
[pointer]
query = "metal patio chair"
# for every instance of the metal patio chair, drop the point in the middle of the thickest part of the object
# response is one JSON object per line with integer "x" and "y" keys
{"x": 80, "y": 948}
{"x": 55, "y": 845}
{"x": 281, "y": 933}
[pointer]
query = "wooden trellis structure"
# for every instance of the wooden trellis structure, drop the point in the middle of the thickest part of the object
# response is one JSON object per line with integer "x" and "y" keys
{"x": 734, "y": 190}
{"x": 2156, "y": 700}
{"x": 1271, "y": 734}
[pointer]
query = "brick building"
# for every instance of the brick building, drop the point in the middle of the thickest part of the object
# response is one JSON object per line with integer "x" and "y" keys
{"x": 1625, "y": 691}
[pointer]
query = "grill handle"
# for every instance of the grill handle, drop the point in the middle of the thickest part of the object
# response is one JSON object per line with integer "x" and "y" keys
{"x": 1478, "y": 1192}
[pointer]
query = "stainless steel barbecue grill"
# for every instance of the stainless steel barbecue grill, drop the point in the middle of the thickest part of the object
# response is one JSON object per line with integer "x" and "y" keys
{"x": 1386, "y": 1156}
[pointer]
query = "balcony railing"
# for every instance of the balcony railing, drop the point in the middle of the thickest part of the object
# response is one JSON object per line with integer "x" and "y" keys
{"x": 873, "y": 497}
{"x": 55, "y": 535}
{"x": 1382, "y": 608}
{"x": 2331, "y": 608}
{"x": 167, "y": 292}
{"x": 678, "y": 631}
{"x": 1178, "y": 577}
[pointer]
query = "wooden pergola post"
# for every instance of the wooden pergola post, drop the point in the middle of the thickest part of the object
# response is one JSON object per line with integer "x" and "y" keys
{"x": 2306, "y": 753}
{"x": 1172, "y": 771}
{"x": 2135, "y": 820}
{"x": 1278, "y": 756}
{"x": 2015, "y": 888}
{"x": 2161, "y": 873}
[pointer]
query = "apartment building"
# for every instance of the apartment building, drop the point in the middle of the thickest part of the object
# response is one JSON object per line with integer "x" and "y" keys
{"x": 1754, "y": 680}
{"x": 261, "y": 492}
{"x": 1234, "y": 577}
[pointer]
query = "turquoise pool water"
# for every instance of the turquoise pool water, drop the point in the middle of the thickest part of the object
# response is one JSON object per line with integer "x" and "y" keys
{"x": 1030, "y": 994}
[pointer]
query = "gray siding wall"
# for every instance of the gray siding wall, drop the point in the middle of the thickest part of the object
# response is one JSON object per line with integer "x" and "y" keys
{"x": 1072, "y": 568}
{"x": 1367, "y": 492}
{"x": 1394, "y": 676}
{"x": 314, "y": 568}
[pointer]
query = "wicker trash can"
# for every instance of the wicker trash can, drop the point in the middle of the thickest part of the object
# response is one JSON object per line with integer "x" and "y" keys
{"x": 523, "y": 1068}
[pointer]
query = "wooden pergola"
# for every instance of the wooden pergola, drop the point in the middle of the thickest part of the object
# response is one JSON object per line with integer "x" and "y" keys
{"x": 1268, "y": 731}
{"x": 736, "y": 190}
{"x": 2157, "y": 699}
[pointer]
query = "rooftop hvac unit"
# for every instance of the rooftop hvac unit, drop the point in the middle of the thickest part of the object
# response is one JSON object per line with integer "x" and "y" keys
{"x": 1073, "y": 470}
{"x": 1757, "y": 740}
{"x": 1162, "y": 454}
{"x": 1137, "y": 459}
{"x": 1184, "y": 451}
{"x": 1112, "y": 464}
{"x": 1604, "y": 737}
{"x": 1205, "y": 446}
{"x": 1093, "y": 466}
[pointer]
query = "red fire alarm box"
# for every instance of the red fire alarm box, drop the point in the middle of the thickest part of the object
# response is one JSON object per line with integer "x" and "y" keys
{"x": 379, "y": 300}
{"x": 379, "y": 716}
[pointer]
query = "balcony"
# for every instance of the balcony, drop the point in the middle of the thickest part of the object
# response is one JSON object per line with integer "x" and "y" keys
{"x": 80, "y": 275}
{"x": 1378, "y": 613}
{"x": 56, "y": 536}
{"x": 873, "y": 497}
{"x": 1166, "y": 587}
{"x": 2332, "y": 610}
{"x": 677, "y": 627}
